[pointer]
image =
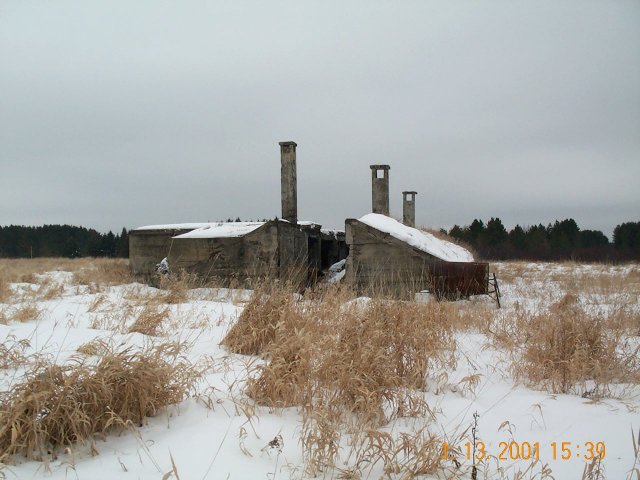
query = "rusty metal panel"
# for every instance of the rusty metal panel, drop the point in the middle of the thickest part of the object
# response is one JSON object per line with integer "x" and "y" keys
{"x": 459, "y": 279}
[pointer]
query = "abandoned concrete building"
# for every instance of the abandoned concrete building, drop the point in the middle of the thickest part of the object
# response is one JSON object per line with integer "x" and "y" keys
{"x": 233, "y": 252}
{"x": 378, "y": 255}
{"x": 393, "y": 258}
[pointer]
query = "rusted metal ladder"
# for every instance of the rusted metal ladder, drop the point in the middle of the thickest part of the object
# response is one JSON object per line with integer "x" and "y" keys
{"x": 494, "y": 289}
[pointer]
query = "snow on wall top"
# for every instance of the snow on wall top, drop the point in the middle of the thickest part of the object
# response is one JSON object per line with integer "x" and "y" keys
{"x": 332, "y": 232}
{"x": 424, "y": 241}
{"x": 173, "y": 226}
{"x": 328, "y": 231}
{"x": 222, "y": 230}
{"x": 308, "y": 223}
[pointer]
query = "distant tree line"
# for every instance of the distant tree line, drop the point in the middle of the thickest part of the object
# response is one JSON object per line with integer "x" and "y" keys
{"x": 61, "y": 241}
{"x": 562, "y": 240}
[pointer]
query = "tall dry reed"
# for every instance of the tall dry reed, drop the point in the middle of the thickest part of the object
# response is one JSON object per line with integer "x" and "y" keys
{"x": 565, "y": 347}
{"x": 354, "y": 364}
{"x": 60, "y": 405}
{"x": 368, "y": 359}
{"x": 257, "y": 324}
{"x": 150, "y": 320}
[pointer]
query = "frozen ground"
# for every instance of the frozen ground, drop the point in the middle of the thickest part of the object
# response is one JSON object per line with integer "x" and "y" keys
{"x": 220, "y": 434}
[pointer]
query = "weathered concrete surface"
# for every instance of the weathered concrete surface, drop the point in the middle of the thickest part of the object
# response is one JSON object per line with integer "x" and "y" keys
{"x": 148, "y": 247}
{"x": 278, "y": 249}
{"x": 379, "y": 264}
{"x": 292, "y": 253}
{"x": 380, "y": 189}
{"x": 288, "y": 182}
{"x": 274, "y": 250}
{"x": 409, "y": 208}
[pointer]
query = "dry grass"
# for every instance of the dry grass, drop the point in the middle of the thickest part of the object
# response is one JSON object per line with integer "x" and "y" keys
{"x": 375, "y": 360}
{"x": 58, "y": 406}
{"x": 12, "y": 353}
{"x": 114, "y": 319}
{"x": 626, "y": 320}
{"x": 348, "y": 364}
{"x": 403, "y": 455}
{"x": 48, "y": 289}
{"x": 103, "y": 271}
{"x": 25, "y": 312}
{"x": 511, "y": 271}
{"x": 256, "y": 327}
{"x": 409, "y": 454}
{"x": 177, "y": 287}
{"x": 367, "y": 360}
{"x": 589, "y": 281}
{"x": 95, "y": 348}
{"x": 149, "y": 320}
{"x": 98, "y": 301}
{"x": 96, "y": 273}
{"x": 87, "y": 270}
{"x": 19, "y": 270}
{"x": 351, "y": 366}
{"x": 476, "y": 317}
{"x": 563, "y": 348}
{"x": 5, "y": 291}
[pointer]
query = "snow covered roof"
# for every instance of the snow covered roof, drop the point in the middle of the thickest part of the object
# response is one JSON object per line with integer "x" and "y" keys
{"x": 424, "y": 241}
{"x": 222, "y": 230}
{"x": 173, "y": 226}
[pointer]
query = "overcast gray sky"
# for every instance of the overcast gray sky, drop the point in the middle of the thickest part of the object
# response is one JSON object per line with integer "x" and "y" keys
{"x": 127, "y": 113}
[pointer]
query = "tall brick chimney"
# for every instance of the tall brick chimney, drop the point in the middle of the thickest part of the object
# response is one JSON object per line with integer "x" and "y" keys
{"x": 409, "y": 208}
{"x": 288, "y": 182}
{"x": 380, "y": 189}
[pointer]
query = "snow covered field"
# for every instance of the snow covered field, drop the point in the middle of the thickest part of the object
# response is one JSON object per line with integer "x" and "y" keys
{"x": 219, "y": 433}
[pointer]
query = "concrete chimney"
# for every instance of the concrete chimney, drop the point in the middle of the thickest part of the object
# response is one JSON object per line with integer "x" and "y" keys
{"x": 409, "y": 208}
{"x": 288, "y": 182}
{"x": 380, "y": 189}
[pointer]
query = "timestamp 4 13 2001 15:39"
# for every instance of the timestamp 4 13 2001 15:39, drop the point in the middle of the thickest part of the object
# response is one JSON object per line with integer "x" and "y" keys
{"x": 528, "y": 451}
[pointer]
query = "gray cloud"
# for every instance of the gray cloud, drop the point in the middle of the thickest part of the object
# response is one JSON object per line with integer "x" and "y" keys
{"x": 127, "y": 113}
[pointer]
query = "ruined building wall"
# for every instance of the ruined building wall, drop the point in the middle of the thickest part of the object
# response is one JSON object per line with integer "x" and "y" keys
{"x": 267, "y": 252}
{"x": 379, "y": 264}
{"x": 292, "y": 251}
{"x": 148, "y": 247}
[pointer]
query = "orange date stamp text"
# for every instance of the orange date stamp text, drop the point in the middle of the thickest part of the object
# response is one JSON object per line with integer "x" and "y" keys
{"x": 529, "y": 450}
